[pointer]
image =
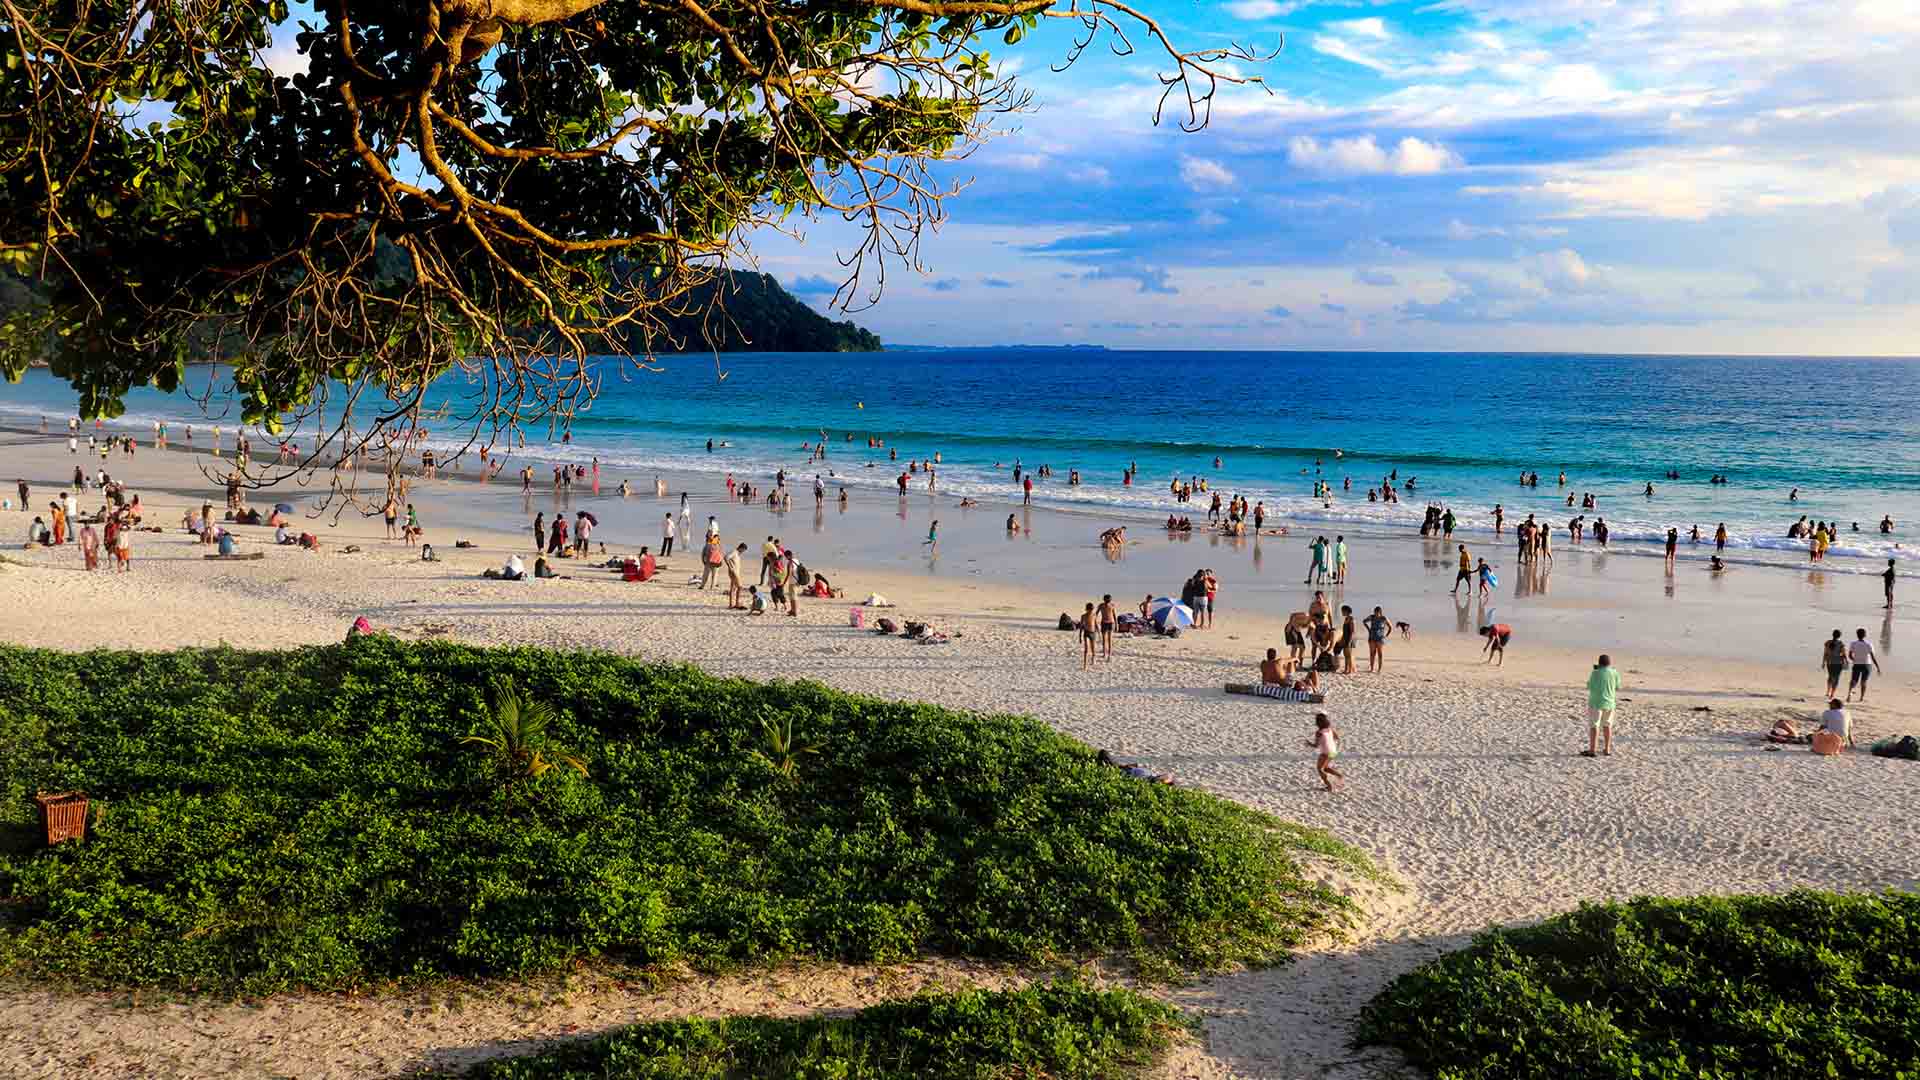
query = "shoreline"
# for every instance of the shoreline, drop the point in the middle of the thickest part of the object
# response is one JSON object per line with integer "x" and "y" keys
{"x": 1587, "y": 600}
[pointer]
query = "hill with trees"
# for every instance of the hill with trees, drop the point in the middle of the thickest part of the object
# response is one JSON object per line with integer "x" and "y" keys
{"x": 741, "y": 311}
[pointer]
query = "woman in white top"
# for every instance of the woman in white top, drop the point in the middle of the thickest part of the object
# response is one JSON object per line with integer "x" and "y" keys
{"x": 1835, "y": 721}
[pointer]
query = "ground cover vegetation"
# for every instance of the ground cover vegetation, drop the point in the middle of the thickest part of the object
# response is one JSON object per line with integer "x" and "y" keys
{"x": 1808, "y": 984}
{"x": 336, "y": 816}
{"x": 1065, "y": 1031}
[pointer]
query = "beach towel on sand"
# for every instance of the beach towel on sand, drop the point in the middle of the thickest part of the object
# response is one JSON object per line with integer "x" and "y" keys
{"x": 1278, "y": 693}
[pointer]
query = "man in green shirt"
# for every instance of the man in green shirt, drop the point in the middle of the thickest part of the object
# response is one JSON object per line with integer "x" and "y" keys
{"x": 1603, "y": 693}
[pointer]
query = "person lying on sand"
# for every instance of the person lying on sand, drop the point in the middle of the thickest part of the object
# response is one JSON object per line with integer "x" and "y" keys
{"x": 1134, "y": 769}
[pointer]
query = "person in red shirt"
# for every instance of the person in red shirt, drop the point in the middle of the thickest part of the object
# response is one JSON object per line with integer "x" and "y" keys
{"x": 1497, "y": 636}
{"x": 1027, "y": 483}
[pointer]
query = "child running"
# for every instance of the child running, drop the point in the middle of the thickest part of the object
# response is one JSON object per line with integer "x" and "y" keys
{"x": 1327, "y": 741}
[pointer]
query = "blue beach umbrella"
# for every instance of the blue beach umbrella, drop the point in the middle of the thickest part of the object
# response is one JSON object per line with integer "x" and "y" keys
{"x": 1166, "y": 612}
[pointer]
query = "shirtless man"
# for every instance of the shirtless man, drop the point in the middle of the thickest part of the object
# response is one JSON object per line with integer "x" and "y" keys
{"x": 1108, "y": 617}
{"x": 1273, "y": 672}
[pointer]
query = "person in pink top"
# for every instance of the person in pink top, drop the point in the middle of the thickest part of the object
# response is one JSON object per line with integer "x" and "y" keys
{"x": 90, "y": 547}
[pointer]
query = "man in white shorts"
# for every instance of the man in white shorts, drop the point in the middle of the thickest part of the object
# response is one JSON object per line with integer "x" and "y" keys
{"x": 1603, "y": 693}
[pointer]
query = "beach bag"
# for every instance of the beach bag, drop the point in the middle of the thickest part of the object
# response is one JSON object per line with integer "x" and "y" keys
{"x": 803, "y": 575}
{"x": 1904, "y": 746}
{"x": 1324, "y": 664}
{"x": 888, "y": 626}
{"x": 711, "y": 555}
{"x": 1066, "y": 622}
{"x": 1827, "y": 743}
{"x": 857, "y": 617}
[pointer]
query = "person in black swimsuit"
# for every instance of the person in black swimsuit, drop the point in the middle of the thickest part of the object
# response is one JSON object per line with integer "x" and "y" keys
{"x": 1107, "y": 616}
{"x": 1086, "y": 638}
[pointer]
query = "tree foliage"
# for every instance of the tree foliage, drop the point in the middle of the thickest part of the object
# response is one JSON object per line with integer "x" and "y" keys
{"x": 506, "y": 188}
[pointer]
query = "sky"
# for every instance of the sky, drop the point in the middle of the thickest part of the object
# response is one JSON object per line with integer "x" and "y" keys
{"x": 1697, "y": 176}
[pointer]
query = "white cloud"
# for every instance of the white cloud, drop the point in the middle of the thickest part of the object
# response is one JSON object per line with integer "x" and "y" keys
{"x": 1460, "y": 230}
{"x": 1375, "y": 28}
{"x": 1209, "y": 219}
{"x": 1202, "y": 174}
{"x": 1564, "y": 271}
{"x": 1343, "y": 49}
{"x": 1363, "y": 154}
{"x": 1025, "y": 162}
{"x": 284, "y": 59}
{"x": 1097, "y": 175}
{"x": 1696, "y": 182}
{"x": 1255, "y": 10}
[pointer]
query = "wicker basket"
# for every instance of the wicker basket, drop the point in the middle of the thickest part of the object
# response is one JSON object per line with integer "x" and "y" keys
{"x": 65, "y": 815}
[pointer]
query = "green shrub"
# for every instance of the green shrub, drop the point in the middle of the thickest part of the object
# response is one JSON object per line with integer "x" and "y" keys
{"x": 1808, "y": 984}
{"x": 1063, "y": 1032}
{"x": 272, "y": 819}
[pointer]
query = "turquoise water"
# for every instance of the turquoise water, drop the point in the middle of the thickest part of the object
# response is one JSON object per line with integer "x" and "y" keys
{"x": 1846, "y": 432}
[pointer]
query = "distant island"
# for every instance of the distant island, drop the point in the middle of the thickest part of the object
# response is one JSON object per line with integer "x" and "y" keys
{"x": 756, "y": 314}
{"x": 996, "y": 348}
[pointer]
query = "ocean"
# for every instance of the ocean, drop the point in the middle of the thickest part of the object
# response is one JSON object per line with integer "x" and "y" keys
{"x": 1462, "y": 427}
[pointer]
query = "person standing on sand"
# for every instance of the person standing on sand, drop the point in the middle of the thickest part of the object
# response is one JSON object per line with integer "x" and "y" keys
{"x": 1865, "y": 663}
{"x": 1889, "y": 577}
{"x": 1603, "y": 696}
{"x": 1327, "y": 741}
{"x": 790, "y": 581}
{"x": 1086, "y": 638}
{"x": 391, "y": 512}
{"x": 1108, "y": 616}
{"x": 1486, "y": 579}
{"x": 1027, "y": 498}
{"x": 1379, "y": 629}
{"x": 1348, "y": 631}
{"x": 1339, "y": 560}
{"x": 734, "y": 561}
{"x": 1466, "y": 570}
{"x": 1673, "y": 548}
{"x": 666, "y": 535}
{"x": 1833, "y": 657}
{"x": 89, "y": 547}
{"x": 539, "y": 531}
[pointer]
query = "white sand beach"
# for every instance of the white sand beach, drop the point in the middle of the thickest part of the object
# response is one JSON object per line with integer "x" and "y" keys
{"x": 1465, "y": 779}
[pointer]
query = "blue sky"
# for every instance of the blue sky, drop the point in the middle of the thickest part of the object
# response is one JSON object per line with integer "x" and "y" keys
{"x": 1735, "y": 176}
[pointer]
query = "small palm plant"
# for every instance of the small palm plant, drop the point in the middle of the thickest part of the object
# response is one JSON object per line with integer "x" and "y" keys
{"x": 515, "y": 728}
{"x": 783, "y": 753}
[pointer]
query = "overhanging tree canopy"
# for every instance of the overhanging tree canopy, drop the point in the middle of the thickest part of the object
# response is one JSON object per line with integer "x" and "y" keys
{"x": 504, "y": 187}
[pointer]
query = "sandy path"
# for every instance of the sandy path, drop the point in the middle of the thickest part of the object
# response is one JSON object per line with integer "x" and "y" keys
{"x": 1464, "y": 783}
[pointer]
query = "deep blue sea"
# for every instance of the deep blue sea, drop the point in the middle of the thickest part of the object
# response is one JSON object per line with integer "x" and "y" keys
{"x": 1846, "y": 432}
